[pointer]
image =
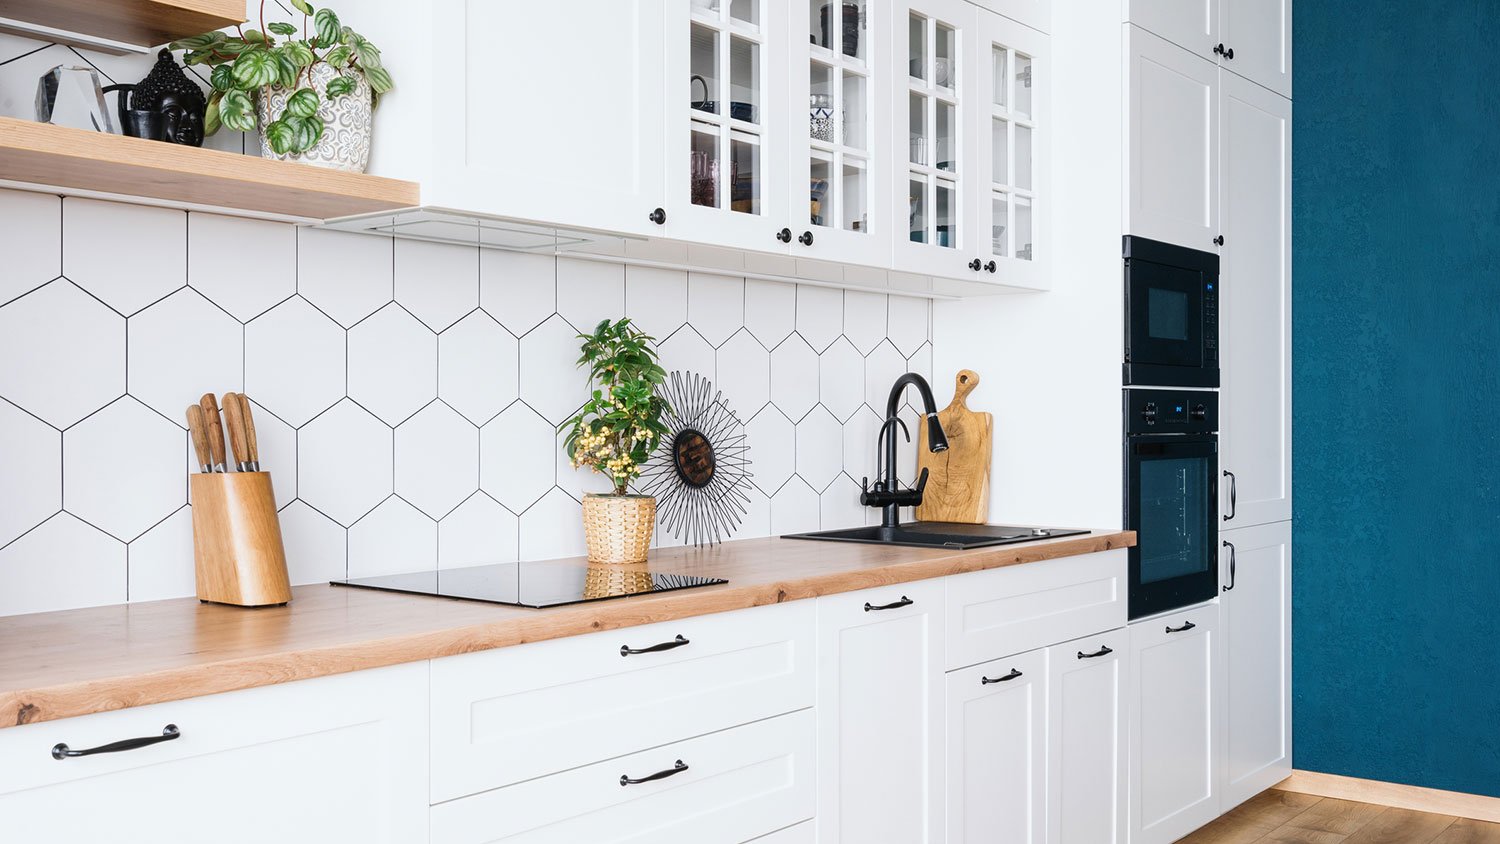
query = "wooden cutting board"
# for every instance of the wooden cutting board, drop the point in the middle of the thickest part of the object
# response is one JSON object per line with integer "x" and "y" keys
{"x": 958, "y": 481}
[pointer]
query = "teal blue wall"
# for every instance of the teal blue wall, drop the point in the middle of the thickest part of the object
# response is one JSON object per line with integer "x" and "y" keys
{"x": 1396, "y": 312}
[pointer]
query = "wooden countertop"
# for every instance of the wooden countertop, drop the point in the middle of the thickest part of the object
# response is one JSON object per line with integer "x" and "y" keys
{"x": 75, "y": 662}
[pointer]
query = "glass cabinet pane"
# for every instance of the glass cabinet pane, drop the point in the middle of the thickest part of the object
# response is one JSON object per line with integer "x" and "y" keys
{"x": 820, "y": 167}
{"x": 999, "y": 222}
{"x": 999, "y": 151}
{"x": 917, "y": 37}
{"x": 917, "y": 124}
{"x": 854, "y": 211}
{"x": 1023, "y": 157}
{"x": 945, "y": 63}
{"x": 1023, "y": 228}
{"x": 744, "y": 172}
{"x": 704, "y": 182}
{"x": 821, "y": 119}
{"x": 1023, "y": 85}
{"x": 947, "y": 215}
{"x": 917, "y": 209}
{"x": 855, "y": 111}
{"x": 947, "y": 137}
{"x": 704, "y": 83}
{"x": 1001, "y": 80}
{"x": 706, "y": 8}
{"x": 839, "y": 27}
{"x": 743, "y": 11}
{"x": 744, "y": 80}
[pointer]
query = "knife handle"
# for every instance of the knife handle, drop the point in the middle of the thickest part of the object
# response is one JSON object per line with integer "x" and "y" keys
{"x": 234, "y": 421}
{"x": 199, "y": 433}
{"x": 252, "y": 450}
{"x": 214, "y": 428}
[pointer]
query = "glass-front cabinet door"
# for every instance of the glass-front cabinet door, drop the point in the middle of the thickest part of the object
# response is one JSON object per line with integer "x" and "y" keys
{"x": 726, "y": 116}
{"x": 933, "y": 40}
{"x": 1011, "y": 197}
{"x": 837, "y": 150}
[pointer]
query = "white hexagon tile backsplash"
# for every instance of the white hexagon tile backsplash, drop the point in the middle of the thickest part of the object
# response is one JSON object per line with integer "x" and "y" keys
{"x": 407, "y": 394}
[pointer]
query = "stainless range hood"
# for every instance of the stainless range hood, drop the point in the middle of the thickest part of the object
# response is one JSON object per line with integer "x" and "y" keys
{"x": 446, "y": 225}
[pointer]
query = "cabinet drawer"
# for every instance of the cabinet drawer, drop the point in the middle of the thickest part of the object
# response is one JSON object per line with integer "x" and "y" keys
{"x": 1008, "y": 610}
{"x": 511, "y": 714}
{"x": 737, "y": 785}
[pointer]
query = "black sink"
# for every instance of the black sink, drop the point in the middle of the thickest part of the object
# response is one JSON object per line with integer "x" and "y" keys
{"x": 939, "y": 535}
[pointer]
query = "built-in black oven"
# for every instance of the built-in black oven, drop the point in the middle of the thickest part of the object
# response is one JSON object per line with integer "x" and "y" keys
{"x": 1171, "y": 315}
{"x": 1171, "y": 497}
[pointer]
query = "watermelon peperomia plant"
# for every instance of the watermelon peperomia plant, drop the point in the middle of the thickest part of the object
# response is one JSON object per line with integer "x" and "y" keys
{"x": 252, "y": 59}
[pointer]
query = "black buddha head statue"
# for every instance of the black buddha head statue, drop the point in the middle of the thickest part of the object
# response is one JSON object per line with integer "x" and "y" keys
{"x": 168, "y": 91}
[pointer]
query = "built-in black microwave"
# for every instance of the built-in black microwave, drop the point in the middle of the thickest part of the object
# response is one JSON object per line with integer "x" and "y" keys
{"x": 1171, "y": 315}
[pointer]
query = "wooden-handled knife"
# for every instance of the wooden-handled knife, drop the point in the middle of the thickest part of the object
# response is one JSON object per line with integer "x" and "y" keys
{"x": 199, "y": 433}
{"x": 234, "y": 422}
{"x": 214, "y": 429}
{"x": 252, "y": 448}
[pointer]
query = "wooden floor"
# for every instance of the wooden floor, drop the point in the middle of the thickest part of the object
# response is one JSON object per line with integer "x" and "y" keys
{"x": 1283, "y": 817}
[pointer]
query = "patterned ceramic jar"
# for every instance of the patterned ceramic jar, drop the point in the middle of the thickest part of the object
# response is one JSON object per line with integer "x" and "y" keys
{"x": 347, "y": 120}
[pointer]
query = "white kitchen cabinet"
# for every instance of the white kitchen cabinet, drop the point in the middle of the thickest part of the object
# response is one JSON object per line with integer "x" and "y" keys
{"x": 1175, "y": 707}
{"x": 880, "y": 725}
{"x": 997, "y": 751}
{"x": 1086, "y": 739}
{"x": 1256, "y": 271}
{"x": 340, "y": 758}
{"x": 1257, "y": 37}
{"x": 1171, "y": 143}
{"x": 1256, "y": 640}
{"x": 1192, "y": 25}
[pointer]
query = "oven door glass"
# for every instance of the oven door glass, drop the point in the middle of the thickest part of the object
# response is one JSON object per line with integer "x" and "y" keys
{"x": 1173, "y": 509}
{"x": 1165, "y": 309}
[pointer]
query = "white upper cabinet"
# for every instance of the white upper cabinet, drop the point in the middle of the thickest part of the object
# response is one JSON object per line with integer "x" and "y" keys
{"x": 1190, "y": 24}
{"x": 1171, "y": 139}
{"x": 1256, "y": 274}
{"x": 1252, "y": 38}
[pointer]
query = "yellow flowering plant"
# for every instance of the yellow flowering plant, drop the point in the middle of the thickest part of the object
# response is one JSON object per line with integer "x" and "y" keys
{"x": 620, "y": 425}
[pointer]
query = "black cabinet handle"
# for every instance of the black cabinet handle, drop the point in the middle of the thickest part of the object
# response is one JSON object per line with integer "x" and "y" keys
{"x": 659, "y": 216}
{"x": 1186, "y": 625}
{"x": 1219, "y": 241}
{"x": 975, "y": 265}
{"x": 1234, "y": 490}
{"x": 169, "y": 732}
{"x": 1104, "y": 650}
{"x": 985, "y": 681}
{"x": 785, "y": 235}
{"x": 1229, "y": 54}
{"x": 805, "y": 238}
{"x": 1218, "y": 49}
{"x": 990, "y": 267}
{"x": 677, "y": 768}
{"x": 626, "y": 650}
{"x": 894, "y": 605}
{"x": 1230, "y": 546}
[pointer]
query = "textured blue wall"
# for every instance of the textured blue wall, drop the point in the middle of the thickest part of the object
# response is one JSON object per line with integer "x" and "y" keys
{"x": 1396, "y": 310}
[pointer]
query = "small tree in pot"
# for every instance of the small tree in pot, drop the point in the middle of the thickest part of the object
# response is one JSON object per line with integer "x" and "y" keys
{"x": 614, "y": 434}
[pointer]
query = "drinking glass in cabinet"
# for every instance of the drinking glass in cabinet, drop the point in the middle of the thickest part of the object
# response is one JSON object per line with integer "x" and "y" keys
{"x": 744, "y": 161}
{"x": 819, "y": 168}
{"x": 1023, "y": 85}
{"x": 1023, "y": 157}
{"x": 853, "y": 210}
{"x": 821, "y": 104}
{"x": 999, "y": 220}
{"x": 704, "y": 163}
{"x": 917, "y": 214}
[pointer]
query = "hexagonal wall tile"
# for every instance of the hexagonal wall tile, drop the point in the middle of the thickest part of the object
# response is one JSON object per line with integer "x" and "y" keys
{"x": 121, "y": 471}
{"x": 437, "y": 459}
{"x": 744, "y": 374}
{"x": 860, "y": 434}
{"x": 316, "y": 546}
{"x": 687, "y": 351}
{"x": 478, "y": 373}
{"x": 246, "y": 289}
{"x": 30, "y": 240}
{"x": 161, "y": 560}
{"x": 841, "y": 379}
{"x": 344, "y": 462}
{"x": 61, "y": 565}
{"x": 908, "y": 318}
{"x": 864, "y": 319}
{"x": 31, "y": 483}
{"x": 577, "y": 482}
{"x": 294, "y": 361}
{"x": 346, "y": 275}
{"x": 552, "y": 528}
{"x": 757, "y": 518}
{"x": 589, "y": 291}
{"x": 79, "y": 349}
{"x": 478, "y": 532}
{"x": 518, "y": 289}
{"x": 794, "y": 377}
{"x": 716, "y": 306}
{"x": 550, "y": 380}
{"x": 770, "y": 310}
{"x": 882, "y": 367}
{"x": 392, "y": 364}
{"x": 437, "y": 282}
{"x": 839, "y": 506}
{"x": 794, "y": 508}
{"x": 656, "y": 299}
{"x": 393, "y": 538}
{"x": 820, "y": 315}
{"x": 772, "y": 440}
{"x": 183, "y": 347}
{"x": 96, "y": 234}
{"x": 820, "y": 448}
{"x": 921, "y": 363}
{"x": 516, "y": 462}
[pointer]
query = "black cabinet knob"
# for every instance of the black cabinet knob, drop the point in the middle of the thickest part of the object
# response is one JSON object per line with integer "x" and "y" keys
{"x": 659, "y": 216}
{"x": 805, "y": 238}
{"x": 1219, "y": 241}
{"x": 975, "y": 265}
{"x": 785, "y": 235}
{"x": 990, "y": 267}
{"x": 1229, "y": 54}
{"x": 1218, "y": 49}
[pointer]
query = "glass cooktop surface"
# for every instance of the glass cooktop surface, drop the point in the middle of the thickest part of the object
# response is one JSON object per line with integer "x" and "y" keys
{"x": 542, "y": 584}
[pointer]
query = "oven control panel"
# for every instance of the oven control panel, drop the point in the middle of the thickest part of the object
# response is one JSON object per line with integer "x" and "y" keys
{"x": 1171, "y": 411}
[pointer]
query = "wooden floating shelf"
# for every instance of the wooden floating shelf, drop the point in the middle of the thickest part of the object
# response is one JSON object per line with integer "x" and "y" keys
{"x": 56, "y": 156}
{"x": 142, "y": 23}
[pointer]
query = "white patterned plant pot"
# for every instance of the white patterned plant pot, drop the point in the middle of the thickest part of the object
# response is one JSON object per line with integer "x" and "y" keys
{"x": 347, "y": 121}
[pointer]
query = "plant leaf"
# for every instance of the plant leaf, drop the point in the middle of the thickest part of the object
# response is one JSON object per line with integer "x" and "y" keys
{"x": 302, "y": 103}
{"x": 222, "y": 78}
{"x": 340, "y": 86}
{"x": 302, "y": 6}
{"x": 286, "y": 70}
{"x": 306, "y": 132}
{"x": 197, "y": 42}
{"x": 300, "y": 54}
{"x": 255, "y": 68}
{"x": 369, "y": 54}
{"x": 237, "y": 111}
{"x": 211, "y": 121}
{"x": 282, "y": 28}
{"x": 339, "y": 56}
{"x": 254, "y": 36}
{"x": 380, "y": 79}
{"x": 327, "y": 23}
{"x": 280, "y": 135}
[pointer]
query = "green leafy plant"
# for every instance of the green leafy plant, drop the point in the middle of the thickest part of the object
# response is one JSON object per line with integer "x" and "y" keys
{"x": 253, "y": 59}
{"x": 620, "y": 425}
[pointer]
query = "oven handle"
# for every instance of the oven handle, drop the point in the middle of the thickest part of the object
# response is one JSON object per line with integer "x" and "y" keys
{"x": 1233, "y": 494}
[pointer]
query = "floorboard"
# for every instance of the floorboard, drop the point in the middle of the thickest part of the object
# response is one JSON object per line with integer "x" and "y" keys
{"x": 1283, "y": 817}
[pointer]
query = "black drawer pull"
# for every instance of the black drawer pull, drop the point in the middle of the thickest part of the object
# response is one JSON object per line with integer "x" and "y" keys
{"x": 626, "y": 650}
{"x": 1105, "y": 650}
{"x": 985, "y": 681}
{"x": 894, "y": 605}
{"x": 169, "y": 732}
{"x": 677, "y": 768}
{"x": 1186, "y": 625}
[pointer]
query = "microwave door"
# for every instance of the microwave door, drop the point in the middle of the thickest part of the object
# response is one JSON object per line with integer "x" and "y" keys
{"x": 1173, "y": 509}
{"x": 1165, "y": 308}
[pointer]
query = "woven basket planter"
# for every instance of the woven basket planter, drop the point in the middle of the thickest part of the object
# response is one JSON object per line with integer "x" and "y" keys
{"x": 618, "y": 527}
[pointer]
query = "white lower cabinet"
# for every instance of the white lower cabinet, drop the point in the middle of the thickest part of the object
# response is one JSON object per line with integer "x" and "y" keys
{"x": 1174, "y": 709}
{"x": 1086, "y": 739}
{"x": 880, "y": 725}
{"x": 340, "y": 758}
{"x": 731, "y": 786}
{"x": 997, "y": 751}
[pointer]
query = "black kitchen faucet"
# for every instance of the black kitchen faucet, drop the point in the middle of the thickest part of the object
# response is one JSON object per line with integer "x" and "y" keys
{"x": 887, "y": 493}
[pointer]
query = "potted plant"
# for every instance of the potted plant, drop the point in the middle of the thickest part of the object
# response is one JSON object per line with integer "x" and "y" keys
{"x": 613, "y": 434}
{"x": 312, "y": 95}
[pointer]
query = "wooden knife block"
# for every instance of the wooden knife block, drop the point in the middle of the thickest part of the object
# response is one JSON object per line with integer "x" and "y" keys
{"x": 237, "y": 547}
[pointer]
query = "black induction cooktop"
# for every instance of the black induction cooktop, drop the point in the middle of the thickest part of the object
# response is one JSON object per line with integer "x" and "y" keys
{"x": 541, "y": 584}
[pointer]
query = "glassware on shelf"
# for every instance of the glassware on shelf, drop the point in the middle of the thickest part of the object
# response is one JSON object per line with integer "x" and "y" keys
{"x": 72, "y": 96}
{"x": 820, "y": 113}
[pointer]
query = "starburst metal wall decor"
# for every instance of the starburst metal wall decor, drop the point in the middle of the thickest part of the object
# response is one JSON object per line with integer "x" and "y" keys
{"x": 700, "y": 474}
